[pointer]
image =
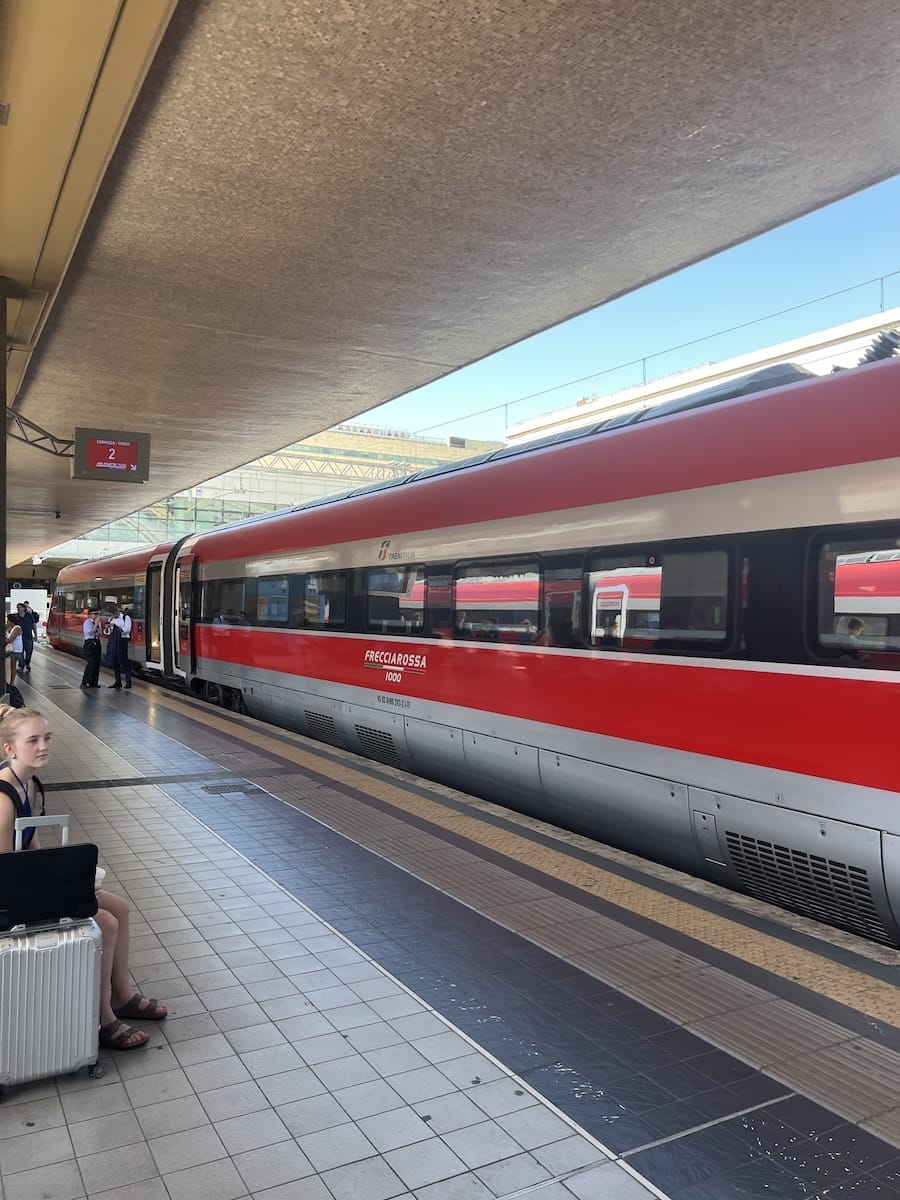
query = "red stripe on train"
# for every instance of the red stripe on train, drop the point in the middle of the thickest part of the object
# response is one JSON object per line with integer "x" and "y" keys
{"x": 808, "y": 724}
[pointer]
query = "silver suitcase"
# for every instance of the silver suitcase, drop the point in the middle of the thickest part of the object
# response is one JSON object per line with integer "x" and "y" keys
{"x": 49, "y": 998}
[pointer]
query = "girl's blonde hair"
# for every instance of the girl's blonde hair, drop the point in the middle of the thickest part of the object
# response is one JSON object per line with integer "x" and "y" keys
{"x": 12, "y": 719}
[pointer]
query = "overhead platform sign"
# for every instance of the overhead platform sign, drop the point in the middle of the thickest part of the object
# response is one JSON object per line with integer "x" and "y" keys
{"x": 111, "y": 455}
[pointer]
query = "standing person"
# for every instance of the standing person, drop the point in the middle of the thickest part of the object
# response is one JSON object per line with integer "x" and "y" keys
{"x": 25, "y": 743}
{"x": 121, "y": 663}
{"x": 28, "y": 625}
{"x": 13, "y": 645}
{"x": 91, "y": 628}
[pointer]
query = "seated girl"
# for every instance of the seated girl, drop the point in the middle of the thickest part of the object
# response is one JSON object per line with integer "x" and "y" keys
{"x": 25, "y": 745}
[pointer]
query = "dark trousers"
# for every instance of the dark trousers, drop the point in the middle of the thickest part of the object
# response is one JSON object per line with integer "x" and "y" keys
{"x": 27, "y": 651}
{"x": 122, "y": 665}
{"x": 91, "y": 676}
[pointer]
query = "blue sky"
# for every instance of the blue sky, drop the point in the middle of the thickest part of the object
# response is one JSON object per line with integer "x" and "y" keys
{"x": 828, "y": 251}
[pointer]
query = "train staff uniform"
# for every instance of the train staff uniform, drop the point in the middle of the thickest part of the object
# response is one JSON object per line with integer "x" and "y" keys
{"x": 117, "y": 654}
{"x": 91, "y": 629}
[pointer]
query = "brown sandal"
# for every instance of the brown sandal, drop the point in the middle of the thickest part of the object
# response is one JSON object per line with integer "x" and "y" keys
{"x": 139, "y": 1008}
{"x": 119, "y": 1036}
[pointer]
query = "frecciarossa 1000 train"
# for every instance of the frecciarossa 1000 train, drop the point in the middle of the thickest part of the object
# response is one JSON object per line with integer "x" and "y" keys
{"x": 678, "y": 632}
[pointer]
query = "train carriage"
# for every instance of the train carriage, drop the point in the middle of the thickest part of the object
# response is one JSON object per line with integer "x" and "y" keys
{"x": 678, "y": 635}
{"x": 132, "y": 582}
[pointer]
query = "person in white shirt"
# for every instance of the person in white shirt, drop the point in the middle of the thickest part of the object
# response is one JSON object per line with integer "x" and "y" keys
{"x": 13, "y": 645}
{"x": 120, "y": 640}
{"x": 91, "y": 629}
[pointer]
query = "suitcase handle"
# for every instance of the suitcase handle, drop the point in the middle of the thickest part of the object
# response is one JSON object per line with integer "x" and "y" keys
{"x": 23, "y": 823}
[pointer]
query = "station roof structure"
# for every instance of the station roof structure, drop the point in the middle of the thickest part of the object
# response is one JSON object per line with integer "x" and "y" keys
{"x": 235, "y": 223}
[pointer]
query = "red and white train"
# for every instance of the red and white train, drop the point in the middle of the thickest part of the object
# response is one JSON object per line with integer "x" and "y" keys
{"x": 679, "y": 634}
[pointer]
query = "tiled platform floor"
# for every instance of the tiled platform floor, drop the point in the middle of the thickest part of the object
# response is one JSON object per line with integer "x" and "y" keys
{"x": 689, "y": 1072}
{"x": 292, "y": 1066}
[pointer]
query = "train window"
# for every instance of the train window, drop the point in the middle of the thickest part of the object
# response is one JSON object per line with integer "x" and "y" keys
{"x": 209, "y": 601}
{"x": 439, "y": 618}
{"x": 395, "y": 599}
{"x": 563, "y": 587}
{"x": 112, "y": 596}
{"x": 859, "y": 601}
{"x": 137, "y": 610}
{"x": 640, "y": 599}
{"x": 272, "y": 601}
{"x": 324, "y": 601}
{"x": 222, "y": 602}
{"x": 184, "y": 600}
{"x": 497, "y": 602}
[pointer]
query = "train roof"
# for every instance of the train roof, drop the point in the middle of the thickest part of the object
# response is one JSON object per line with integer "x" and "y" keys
{"x": 639, "y": 469}
{"x": 124, "y": 560}
{"x": 766, "y": 378}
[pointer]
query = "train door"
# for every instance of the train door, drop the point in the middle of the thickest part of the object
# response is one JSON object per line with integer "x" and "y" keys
{"x": 153, "y": 614}
{"x": 185, "y": 663}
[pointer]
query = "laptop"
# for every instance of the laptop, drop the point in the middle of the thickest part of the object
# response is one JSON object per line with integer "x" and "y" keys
{"x": 41, "y": 887}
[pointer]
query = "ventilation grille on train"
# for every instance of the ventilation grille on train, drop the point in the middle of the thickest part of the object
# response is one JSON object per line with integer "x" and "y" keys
{"x": 379, "y": 745}
{"x": 323, "y": 728}
{"x": 822, "y": 888}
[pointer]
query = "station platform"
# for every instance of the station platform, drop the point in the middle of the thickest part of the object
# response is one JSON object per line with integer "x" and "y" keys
{"x": 379, "y": 988}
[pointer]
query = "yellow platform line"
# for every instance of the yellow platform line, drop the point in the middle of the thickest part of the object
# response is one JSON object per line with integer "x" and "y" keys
{"x": 837, "y": 982}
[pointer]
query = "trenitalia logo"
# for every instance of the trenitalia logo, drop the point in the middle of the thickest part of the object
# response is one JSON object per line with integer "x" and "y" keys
{"x": 386, "y": 554}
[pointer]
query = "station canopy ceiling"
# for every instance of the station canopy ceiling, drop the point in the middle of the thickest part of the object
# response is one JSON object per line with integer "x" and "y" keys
{"x": 234, "y": 223}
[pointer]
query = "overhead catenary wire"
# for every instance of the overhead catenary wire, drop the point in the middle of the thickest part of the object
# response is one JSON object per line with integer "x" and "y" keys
{"x": 644, "y": 359}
